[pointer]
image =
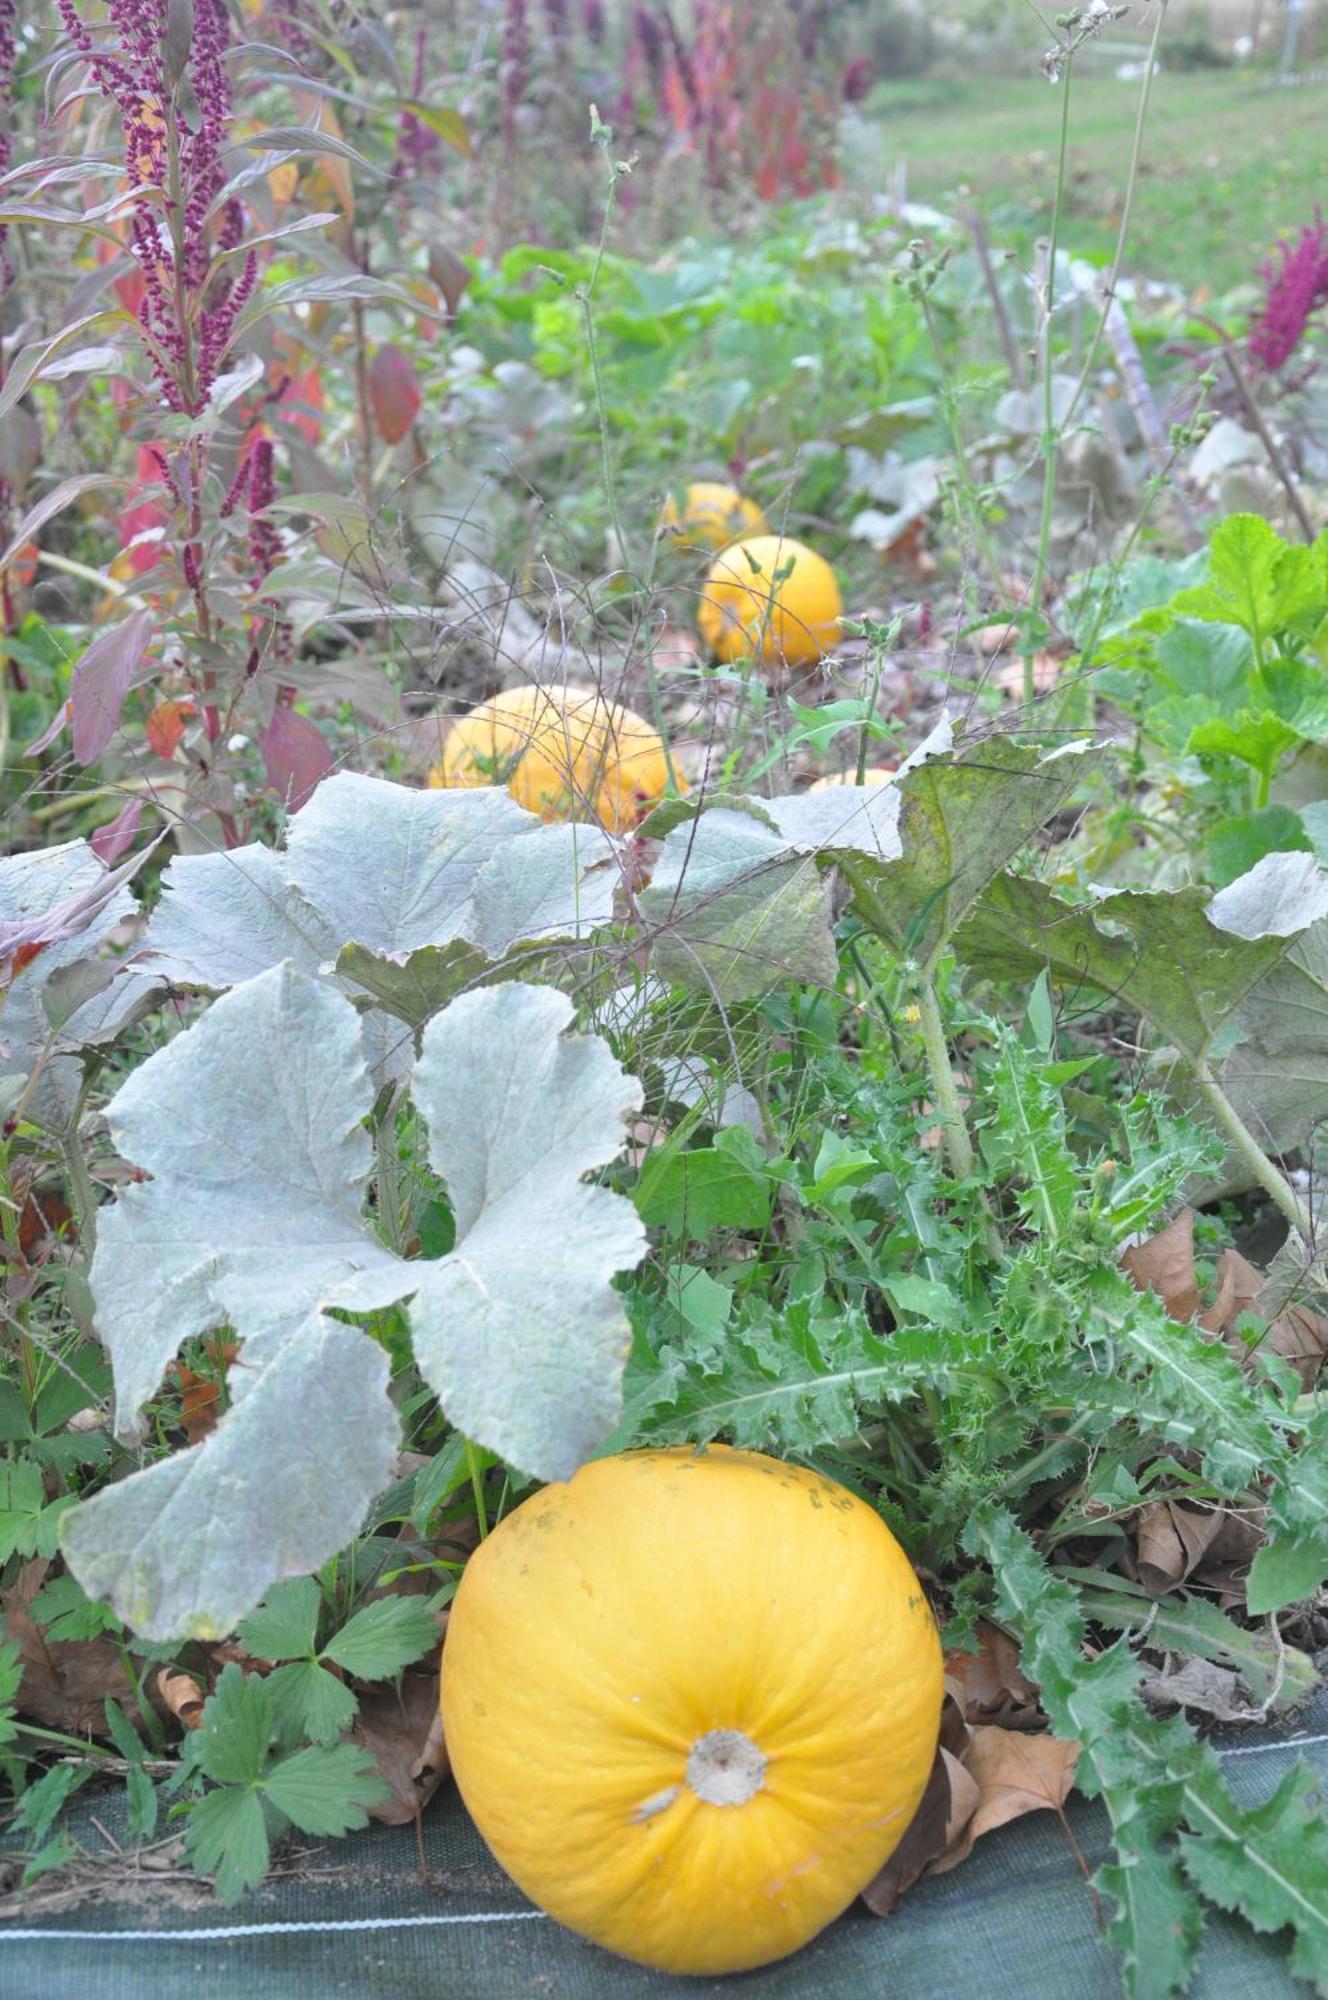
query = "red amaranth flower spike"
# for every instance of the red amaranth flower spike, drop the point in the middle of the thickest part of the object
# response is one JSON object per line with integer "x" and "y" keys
{"x": 189, "y": 304}
{"x": 1297, "y": 280}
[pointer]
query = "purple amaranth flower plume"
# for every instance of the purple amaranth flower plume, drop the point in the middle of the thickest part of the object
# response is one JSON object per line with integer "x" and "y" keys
{"x": 8, "y": 52}
{"x": 417, "y": 146}
{"x": 190, "y": 303}
{"x": 1297, "y": 280}
{"x": 593, "y": 20}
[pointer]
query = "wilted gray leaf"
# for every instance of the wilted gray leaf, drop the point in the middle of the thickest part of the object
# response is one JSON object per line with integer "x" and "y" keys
{"x": 519, "y": 1329}
{"x": 862, "y": 819}
{"x": 963, "y": 818}
{"x": 225, "y": 918}
{"x": 734, "y": 909}
{"x": 251, "y": 1126}
{"x": 391, "y": 868}
{"x": 377, "y": 884}
{"x": 187, "y": 1547}
{"x": 557, "y": 882}
{"x": 1281, "y": 896}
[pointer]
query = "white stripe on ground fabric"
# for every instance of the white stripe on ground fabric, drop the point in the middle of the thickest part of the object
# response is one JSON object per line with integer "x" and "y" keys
{"x": 1290, "y": 1743}
{"x": 213, "y": 1931}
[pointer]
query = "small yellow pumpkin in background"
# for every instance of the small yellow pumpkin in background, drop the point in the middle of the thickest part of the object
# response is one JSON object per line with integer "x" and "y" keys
{"x": 875, "y": 774}
{"x": 692, "y": 1703}
{"x": 772, "y": 599}
{"x": 564, "y": 753}
{"x": 711, "y": 516}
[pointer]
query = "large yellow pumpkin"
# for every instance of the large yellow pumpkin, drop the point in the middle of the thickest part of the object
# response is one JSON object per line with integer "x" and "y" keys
{"x": 564, "y": 753}
{"x": 772, "y": 599}
{"x": 692, "y": 1703}
{"x": 710, "y": 517}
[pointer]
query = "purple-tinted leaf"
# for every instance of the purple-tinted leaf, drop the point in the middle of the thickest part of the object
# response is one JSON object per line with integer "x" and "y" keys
{"x": 51, "y": 731}
{"x": 295, "y": 757}
{"x": 103, "y": 678}
{"x": 20, "y": 941}
{"x": 109, "y": 842}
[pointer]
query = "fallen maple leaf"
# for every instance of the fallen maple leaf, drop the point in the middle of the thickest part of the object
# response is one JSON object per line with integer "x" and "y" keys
{"x": 1015, "y": 1773}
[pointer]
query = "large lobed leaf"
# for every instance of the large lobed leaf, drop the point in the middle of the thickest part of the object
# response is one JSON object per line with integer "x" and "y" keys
{"x": 392, "y": 892}
{"x": 738, "y": 900}
{"x": 1182, "y": 958}
{"x": 252, "y": 1126}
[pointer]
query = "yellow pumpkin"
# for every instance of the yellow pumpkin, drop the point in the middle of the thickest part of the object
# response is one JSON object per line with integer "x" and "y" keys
{"x": 772, "y": 599}
{"x": 564, "y": 753}
{"x": 711, "y": 516}
{"x": 875, "y": 774}
{"x": 692, "y": 1703}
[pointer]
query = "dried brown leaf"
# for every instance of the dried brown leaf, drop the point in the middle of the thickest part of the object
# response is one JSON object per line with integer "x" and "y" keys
{"x": 1015, "y": 1774}
{"x": 988, "y": 1684}
{"x": 1200, "y": 1684}
{"x": 182, "y": 1695}
{"x": 1165, "y": 1264}
{"x": 1300, "y": 1336}
{"x": 949, "y": 1802}
{"x": 1172, "y": 1541}
{"x": 65, "y": 1682}
{"x": 403, "y": 1732}
{"x": 1238, "y": 1286}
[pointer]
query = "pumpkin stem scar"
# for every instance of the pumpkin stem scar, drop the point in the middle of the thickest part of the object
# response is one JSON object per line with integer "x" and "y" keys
{"x": 725, "y": 1768}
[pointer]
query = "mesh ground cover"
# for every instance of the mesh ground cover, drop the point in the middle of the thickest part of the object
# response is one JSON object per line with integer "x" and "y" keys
{"x": 356, "y": 1920}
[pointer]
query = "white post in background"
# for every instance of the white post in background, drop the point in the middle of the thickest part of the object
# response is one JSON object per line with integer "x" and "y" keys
{"x": 1294, "y": 10}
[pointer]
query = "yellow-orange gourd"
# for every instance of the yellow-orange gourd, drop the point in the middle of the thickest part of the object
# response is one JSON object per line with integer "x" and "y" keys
{"x": 711, "y": 516}
{"x": 875, "y": 774}
{"x": 692, "y": 1703}
{"x": 564, "y": 753}
{"x": 770, "y": 599}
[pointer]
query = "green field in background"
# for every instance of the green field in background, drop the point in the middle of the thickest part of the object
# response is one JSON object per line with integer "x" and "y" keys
{"x": 1229, "y": 162}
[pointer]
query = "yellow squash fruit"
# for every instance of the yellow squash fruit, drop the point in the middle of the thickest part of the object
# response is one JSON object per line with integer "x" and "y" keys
{"x": 770, "y": 599}
{"x": 692, "y": 1703}
{"x": 875, "y": 774}
{"x": 564, "y": 753}
{"x": 710, "y": 517}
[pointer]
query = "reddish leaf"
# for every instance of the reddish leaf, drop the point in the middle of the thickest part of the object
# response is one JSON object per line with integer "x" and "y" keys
{"x": 394, "y": 393}
{"x": 166, "y": 726}
{"x": 102, "y": 679}
{"x": 295, "y": 757}
{"x": 109, "y": 842}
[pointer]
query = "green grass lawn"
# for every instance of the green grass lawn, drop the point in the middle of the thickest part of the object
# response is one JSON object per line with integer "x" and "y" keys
{"x": 1228, "y": 162}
